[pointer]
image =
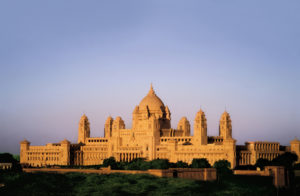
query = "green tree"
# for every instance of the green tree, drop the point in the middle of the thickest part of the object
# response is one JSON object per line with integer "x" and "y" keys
{"x": 287, "y": 160}
{"x": 261, "y": 163}
{"x": 160, "y": 164}
{"x": 110, "y": 162}
{"x": 181, "y": 164}
{"x": 8, "y": 158}
{"x": 200, "y": 163}
{"x": 223, "y": 167}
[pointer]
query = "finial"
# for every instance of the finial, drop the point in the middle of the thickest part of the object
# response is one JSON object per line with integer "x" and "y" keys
{"x": 151, "y": 91}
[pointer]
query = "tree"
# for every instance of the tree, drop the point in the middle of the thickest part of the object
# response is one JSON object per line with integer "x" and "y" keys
{"x": 110, "y": 162}
{"x": 223, "y": 167}
{"x": 160, "y": 164}
{"x": 286, "y": 159}
{"x": 261, "y": 163}
{"x": 8, "y": 158}
{"x": 181, "y": 164}
{"x": 297, "y": 166}
{"x": 200, "y": 163}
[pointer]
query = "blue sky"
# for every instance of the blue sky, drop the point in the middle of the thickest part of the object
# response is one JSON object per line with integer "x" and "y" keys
{"x": 60, "y": 59}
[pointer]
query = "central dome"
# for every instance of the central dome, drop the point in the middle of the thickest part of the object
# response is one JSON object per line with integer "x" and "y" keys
{"x": 153, "y": 102}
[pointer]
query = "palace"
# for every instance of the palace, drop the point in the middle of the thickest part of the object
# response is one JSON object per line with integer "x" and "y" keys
{"x": 152, "y": 137}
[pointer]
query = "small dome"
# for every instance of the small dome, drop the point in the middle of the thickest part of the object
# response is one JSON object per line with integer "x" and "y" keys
{"x": 152, "y": 101}
{"x": 108, "y": 120}
{"x": 25, "y": 142}
{"x": 225, "y": 115}
{"x": 83, "y": 118}
{"x": 136, "y": 110}
{"x": 200, "y": 115}
{"x": 65, "y": 142}
{"x": 183, "y": 119}
{"x": 118, "y": 118}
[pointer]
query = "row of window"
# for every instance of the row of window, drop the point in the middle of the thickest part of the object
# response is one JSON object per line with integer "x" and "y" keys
{"x": 42, "y": 158}
{"x": 97, "y": 140}
{"x": 176, "y": 139}
{"x": 95, "y": 149}
{"x": 42, "y": 153}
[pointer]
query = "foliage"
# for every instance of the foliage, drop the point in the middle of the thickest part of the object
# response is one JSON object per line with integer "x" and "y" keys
{"x": 8, "y": 158}
{"x": 124, "y": 184}
{"x": 142, "y": 164}
{"x": 16, "y": 157}
{"x": 261, "y": 163}
{"x": 245, "y": 167}
{"x": 223, "y": 167}
{"x": 200, "y": 163}
{"x": 160, "y": 164}
{"x": 110, "y": 162}
{"x": 181, "y": 164}
{"x": 297, "y": 166}
{"x": 286, "y": 159}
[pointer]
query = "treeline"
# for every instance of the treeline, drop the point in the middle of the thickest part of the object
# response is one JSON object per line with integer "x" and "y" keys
{"x": 142, "y": 164}
{"x": 222, "y": 166}
{"x": 286, "y": 159}
{"x": 9, "y": 158}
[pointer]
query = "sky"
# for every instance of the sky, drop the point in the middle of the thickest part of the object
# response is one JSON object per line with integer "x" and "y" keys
{"x": 61, "y": 59}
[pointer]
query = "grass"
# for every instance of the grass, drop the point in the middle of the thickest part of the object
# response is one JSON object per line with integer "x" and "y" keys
{"x": 123, "y": 184}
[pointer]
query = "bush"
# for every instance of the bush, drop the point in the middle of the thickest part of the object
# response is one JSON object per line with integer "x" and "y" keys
{"x": 287, "y": 160}
{"x": 126, "y": 184}
{"x": 223, "y": 167}
{"x": 160, "y": 164}
{"x": 8, "y": 158}
{"x": 261, "y": 163}
{"x": 297, "y": 166}
{"x": 110, "y": 162}
{"x": 181, "y": 164}
{"x": 245, "y": 167}
{"x": 200, "y": 163}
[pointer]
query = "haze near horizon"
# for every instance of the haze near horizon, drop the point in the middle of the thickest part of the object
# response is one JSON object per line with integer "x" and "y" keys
{"x": 60, "y": 59}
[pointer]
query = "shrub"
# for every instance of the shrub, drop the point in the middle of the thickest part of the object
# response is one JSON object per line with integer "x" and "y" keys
{"x": 8, "y": 158}
{"x": 286, "y": 159}
{"x": 223, "y": 167}
{"x": 181, "y": 164}
{"x": 200, "y": 163}
{"x": 110, "y": 162}
{"x": 160, "y": 164}
{"x": 261, "y": 163}
{"x": 297, "y": 166}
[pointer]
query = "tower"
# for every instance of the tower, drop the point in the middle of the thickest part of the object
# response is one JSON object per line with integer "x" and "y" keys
{"x": 295, "y": 148}
{"x": 200, "y": 128}
{"x": 83, "y": 129}
{"x": 24, "y": 147}
{"x": 108, "y": 127}
{"x": 225, "y": 128}
{"x": 117, "y": 124}
{"x": 151, "y": 105}
{"x": 185, "y": 126}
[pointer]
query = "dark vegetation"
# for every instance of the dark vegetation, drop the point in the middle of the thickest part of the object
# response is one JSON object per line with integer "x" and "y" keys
{"x": 142, "y": 164}
{"x": 8, "y": 158}
{"x": 287, "y": 160}
{"x": 127, "y": 184}
{"x": 20, "y": 183}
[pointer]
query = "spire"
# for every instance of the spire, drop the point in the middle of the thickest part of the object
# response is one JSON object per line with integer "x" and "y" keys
{"x": 151, "y": 91}
{"x": 225, "y": 114}
{"x": 200, "y": 111}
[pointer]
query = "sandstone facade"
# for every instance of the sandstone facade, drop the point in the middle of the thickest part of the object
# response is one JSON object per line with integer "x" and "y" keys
{"x": 152, "y": 137}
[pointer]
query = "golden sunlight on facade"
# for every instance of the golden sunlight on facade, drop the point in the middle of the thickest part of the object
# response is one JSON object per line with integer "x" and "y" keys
{"x": 152, "y": 137}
